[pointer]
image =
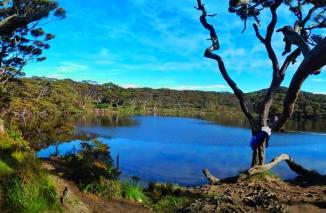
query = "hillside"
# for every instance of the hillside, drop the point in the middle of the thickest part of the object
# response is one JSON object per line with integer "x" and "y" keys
{"x": 46, "y": 97}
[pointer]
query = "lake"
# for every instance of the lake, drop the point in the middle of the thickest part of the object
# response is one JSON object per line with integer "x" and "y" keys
{"x": 175, "y": 150}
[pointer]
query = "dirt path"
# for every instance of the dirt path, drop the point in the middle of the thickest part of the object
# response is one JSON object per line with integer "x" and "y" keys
{"x": 79, "y": 202}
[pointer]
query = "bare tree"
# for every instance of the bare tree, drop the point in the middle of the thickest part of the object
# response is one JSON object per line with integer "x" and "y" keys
{"x": 303, "y": 36}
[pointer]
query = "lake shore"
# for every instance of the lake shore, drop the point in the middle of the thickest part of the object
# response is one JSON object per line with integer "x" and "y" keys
{"x": 264, "y": 193}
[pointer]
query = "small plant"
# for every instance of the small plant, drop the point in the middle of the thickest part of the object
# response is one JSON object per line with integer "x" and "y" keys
{"x": 170, "y": 203}
{"x": 35, "y": 195}
{"x": 5, "y": 170}
{"x": 263, "y": 176}
{"x": 134, "y": 192}
{"x": 108, "y": 189}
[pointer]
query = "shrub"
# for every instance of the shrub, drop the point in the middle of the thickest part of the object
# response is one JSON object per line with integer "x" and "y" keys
{"x": 5, "y": 170}
{"x": 170, "y": 204}
{"x": 133, "y": 191}
{"x": 12, "y": 139}
{"x": 91, "y": 164}
{"x": 33, "y": 195}
{"x": 105, "y": 188}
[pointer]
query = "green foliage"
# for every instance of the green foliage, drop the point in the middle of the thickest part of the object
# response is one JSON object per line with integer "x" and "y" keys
{"x": 263, "y": 175}
{"x": 91, "y": 164}
{"x": 18, "y": 156}
{"x": 167, "y": 197}
{"x": 5, "y": 170}
{"x": 170, "y": 203}
{"x": 32, "y": 195}
{"x": 133, "y": 191}
{"x": 108, "y": 189}
{"x": 21, "y": 44}
{"x": 12, "y": 139}
{"x": 159, "y": 190}
{"x": 25, "y": 187}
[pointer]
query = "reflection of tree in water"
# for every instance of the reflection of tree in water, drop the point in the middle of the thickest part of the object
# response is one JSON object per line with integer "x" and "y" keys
{"x": 42, "y": 132}
{"x": 109, "y": 120}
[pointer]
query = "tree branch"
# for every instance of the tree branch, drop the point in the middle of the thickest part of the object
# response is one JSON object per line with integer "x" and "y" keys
{"x": 295, "y": 167}
{"x": 209, "y": 54}
{"x": 313, "y": 62}
{"x": 307, "y": 18}
{"x": 290, "y": 58}
{"x": 277, "y": 80}
{"x": 258, "y": 35}
{"x": 307, "y": 174}
{"x": 211, "y": 178}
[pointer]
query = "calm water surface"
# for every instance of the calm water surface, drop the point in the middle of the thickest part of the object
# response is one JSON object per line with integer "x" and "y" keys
{"x": 170, "y": 149}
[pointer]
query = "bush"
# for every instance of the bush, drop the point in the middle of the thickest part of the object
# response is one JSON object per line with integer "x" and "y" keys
{"x": 25, "y": 187}
{"x": 170, "y": 203}
{"x": 108, "y": 189}
{"x": 91, "y": 164}
{"x": 133, "y": 191}
{"x": 34, "y": 195}
{"x": 13, "y": 140}
{"x": 5, "y": 170}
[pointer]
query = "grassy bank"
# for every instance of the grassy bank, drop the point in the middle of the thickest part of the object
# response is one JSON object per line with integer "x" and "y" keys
{"x": 92, "y": 170}
{"x": 24, "y": 186}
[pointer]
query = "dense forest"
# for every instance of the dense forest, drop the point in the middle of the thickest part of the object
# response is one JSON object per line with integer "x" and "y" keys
{"x": 43, "y": 97}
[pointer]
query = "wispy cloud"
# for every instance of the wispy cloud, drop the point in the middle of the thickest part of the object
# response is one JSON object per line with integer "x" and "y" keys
{"x": 143, "y": 43}
{"x": 318, "y": 79}
{"x": 68, "y": 67}
{"x": 215, "y": 87}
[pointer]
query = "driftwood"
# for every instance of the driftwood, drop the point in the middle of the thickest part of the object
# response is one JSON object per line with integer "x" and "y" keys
{"x": 211, "y": 178}
{"x": 295, "y": 167}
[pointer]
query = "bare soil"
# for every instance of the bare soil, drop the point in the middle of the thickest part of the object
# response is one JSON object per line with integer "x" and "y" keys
{"x": 79, "y": 202}
{"x": 265, "y": 194}
{"x": 259, "y": 195}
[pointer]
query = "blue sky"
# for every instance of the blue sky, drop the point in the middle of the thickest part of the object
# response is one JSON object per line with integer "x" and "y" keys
{"x": 158, "y": 44}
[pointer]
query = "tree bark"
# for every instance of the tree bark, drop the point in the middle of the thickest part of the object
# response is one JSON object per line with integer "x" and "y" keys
{"x": 259, "y": 155}
{"x": 306, "y": 174}
{"x": 315, "y": 60}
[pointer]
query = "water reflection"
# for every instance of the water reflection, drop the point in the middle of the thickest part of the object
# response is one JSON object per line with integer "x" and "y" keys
{"x": 171, "y": 149}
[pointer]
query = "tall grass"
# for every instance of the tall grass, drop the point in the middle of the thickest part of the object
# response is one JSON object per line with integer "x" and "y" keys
{"x": 5, "y": 170}
{"x": 133, "y": 191}
{"x": 25, "y": 187}
{"x": 30, "y": 196}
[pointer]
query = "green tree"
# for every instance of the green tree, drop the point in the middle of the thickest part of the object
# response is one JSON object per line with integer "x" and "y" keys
{"x": 22, "y": 40}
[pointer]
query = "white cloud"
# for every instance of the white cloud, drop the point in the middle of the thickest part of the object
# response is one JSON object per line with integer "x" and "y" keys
{"x": 68, "y": 67}
{"x": 318, "y": 79}
{"x": 126, "y": 86}
{"x": 213, "y": 87}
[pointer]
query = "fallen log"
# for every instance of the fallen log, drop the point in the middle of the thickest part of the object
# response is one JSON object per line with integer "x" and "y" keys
{"x": 306, "y": 174}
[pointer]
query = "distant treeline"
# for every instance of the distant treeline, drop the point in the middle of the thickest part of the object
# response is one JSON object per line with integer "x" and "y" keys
{"x": 45, "y": 97}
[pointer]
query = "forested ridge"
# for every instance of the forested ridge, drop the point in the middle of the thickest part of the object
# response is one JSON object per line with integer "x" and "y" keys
{"x": 45, "y": 97}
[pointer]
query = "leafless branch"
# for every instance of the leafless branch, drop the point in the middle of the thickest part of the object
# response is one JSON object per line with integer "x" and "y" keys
{"x": 290, "y": 58}
{"x": 258, "y": 35}
{"x": 209, "y": 54}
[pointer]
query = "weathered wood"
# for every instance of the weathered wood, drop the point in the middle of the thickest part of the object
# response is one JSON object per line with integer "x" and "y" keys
{"x": 295, "y": 167}
{"x": 263, "y": 168}
{"x": 211, "y": 178}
